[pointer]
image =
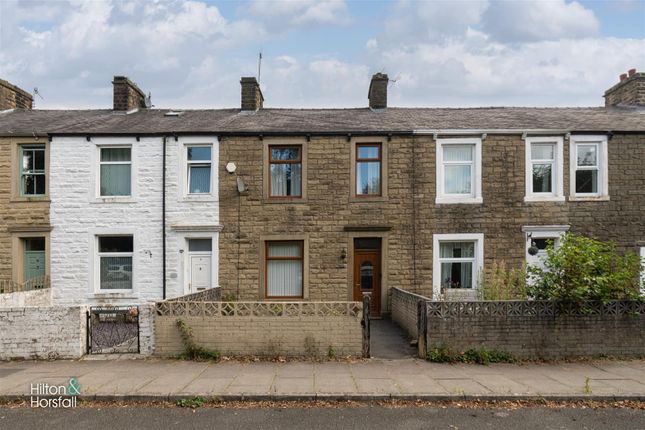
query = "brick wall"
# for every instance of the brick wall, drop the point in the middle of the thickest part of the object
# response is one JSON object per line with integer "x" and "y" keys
{"x": 12, "y": 97}
{"x": 538, "y": 329}
{"x": 237, "y": 328}
{"x": 42, "y": 332}
{"x": 405, "y": 310}
{"x": 629, "y": 92}
{"x": 26, "y": 298}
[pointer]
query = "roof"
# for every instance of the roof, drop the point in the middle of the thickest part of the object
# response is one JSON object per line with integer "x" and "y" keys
{"x": 312, "y": 121}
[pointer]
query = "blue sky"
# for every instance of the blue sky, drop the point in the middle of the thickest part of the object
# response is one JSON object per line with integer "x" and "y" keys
{"x": 322, "y": 53}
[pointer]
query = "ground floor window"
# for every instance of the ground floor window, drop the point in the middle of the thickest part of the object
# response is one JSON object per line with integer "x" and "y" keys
{"x": 458, "y": 259}
{"x": 284, "y": 269}
{"x": 115, "y": 262}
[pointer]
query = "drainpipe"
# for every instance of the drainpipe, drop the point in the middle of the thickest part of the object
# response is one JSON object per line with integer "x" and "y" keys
{"x": 163, "y": 215}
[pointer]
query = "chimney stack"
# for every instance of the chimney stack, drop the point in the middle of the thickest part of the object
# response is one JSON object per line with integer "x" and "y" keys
{"x": 12, "y": 97}
{"x": 252, "y": 98}
{"x": 127, "y": 95}
{"x": 377, "y": 94}
{"x": 629, "y": 91}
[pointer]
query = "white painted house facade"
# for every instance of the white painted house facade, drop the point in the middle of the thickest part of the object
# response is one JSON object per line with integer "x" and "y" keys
{"x": 107, "y": 217}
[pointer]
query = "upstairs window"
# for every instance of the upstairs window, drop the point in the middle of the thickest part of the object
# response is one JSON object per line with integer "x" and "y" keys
{"x": 115, "y": 262}
{"x": 199, "y": 165}
{"x": 368, "y": 169}
{"x": 589, "y": 166}
{"x": 285, "y": 166}
{"x": 32, "y": 170}
{"x": 115, "y": 171}
{"x": 458, "y": 171}
{"x": 544, "y": 168}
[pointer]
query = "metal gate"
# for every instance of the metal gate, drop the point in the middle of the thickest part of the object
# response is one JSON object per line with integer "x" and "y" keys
{"x": 113, "y": 330}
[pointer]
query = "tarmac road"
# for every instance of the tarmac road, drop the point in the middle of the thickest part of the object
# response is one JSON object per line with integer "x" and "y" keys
{"x": 365, "y": 417}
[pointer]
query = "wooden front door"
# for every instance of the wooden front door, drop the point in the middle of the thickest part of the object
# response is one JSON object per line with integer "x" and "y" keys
{"x": 367, "y": 277}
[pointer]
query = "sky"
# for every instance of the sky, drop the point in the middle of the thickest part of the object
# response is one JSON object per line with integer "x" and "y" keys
{"x": 191, "y": 54}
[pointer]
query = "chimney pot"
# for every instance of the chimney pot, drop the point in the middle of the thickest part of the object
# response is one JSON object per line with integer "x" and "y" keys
{"x": 252, "y": 98}
{"x": 377, "y": 93}
{"x": 623, "y": 76}
{"x": 126, "y": 94}
{"x": 631, "y": 72}
{"x": 12, "y": 97}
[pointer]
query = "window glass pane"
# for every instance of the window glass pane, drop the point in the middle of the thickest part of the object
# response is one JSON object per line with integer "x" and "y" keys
{"x": 286, "y": 179}
{"x": 368, "y": 177}
{"x": 35, "y": 244}
{"x": 457, "y": 275}
{"x": 367, "y": 275}
{"x": 284, "y": 249}
{"x": 542, "y": 151}
{"x": 457, "y": 250}
{"x": 115, "y": 154}
{"x": 291, "y": 153}
{"x": 457, "y": 179}
{"x": 39, "y": 162}
{"x": 200, "y": 245}
{"x": 28, "y": 185}
{"x": 458, "y": 152}
{"x": 587, "y": 155}
{"x": 368, "y": 151}
{"x": 115, "y": 244}
{"x": 27, "y": 160}
{"x": 200, "y": 179}
{"x": 199, "y": 153}
{"x": 586, "y": 181}
{"x": 116, "y": 273}
{"x": 367, "y": 243}
{"x": 40, "y": 184}
{"x": 115, "y": 179}
{"x": 284, "y": 278}
{"x": 542, "y": 243}
{"x": 542, "y": 178}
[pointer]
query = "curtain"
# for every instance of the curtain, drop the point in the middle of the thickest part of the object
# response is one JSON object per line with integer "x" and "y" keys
{"x": 115, "y": 179}
{"x": 458, "y": 171}
{"x": 458, "y": 274}
{"x": 200, "y": 179}
{"x": 286, "y": 179}
{"x": 368, "y": 177}
{"x": 116, "y": 273}
{"x": 284, "y": 277}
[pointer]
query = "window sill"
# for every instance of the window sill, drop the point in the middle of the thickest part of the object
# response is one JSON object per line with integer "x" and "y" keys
{"x": 457, "y": 200}
{"x": 198, "y": 198}
{"x": 109, "y": 200}
{"x": 588, "y": 198}
{"x": 278, "y": 200}
{"x": 35, "y": 199}
{"x": 537, "y": 199}
{"x": 117, "y": 294}
{"x": 368, "y": 199}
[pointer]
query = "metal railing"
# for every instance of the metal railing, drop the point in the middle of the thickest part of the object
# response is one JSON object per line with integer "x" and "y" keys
{"x": 38, "y": 283}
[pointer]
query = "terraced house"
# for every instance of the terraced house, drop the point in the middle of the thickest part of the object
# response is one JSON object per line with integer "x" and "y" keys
{"x": 328, "y": 204}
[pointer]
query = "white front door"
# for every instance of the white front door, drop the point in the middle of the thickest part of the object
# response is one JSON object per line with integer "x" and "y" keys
{"x": 200, "y": 272}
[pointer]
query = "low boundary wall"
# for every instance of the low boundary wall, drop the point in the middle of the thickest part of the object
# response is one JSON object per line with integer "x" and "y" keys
{"x": 405, "y": 308}
{"x": 263, "y": 328}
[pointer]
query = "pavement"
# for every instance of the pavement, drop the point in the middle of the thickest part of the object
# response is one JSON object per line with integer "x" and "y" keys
{"x": 365, "y": 417}
{"x": 147, "y": 379}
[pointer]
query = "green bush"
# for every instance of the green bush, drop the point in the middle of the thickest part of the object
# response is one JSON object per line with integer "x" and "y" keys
{"x": 501, "y": 283}
{"x": 441, "y": 354}
{"x": 192, "y": 350}
{"x": 582, "y": 269}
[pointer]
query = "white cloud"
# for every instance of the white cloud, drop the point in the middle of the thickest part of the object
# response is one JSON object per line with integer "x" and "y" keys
{"x": 539, "y": 20}
{"x": 300, "y": 12}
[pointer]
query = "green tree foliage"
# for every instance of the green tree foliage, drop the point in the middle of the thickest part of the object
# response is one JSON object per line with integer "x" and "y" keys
{"x": 582, "y": 269}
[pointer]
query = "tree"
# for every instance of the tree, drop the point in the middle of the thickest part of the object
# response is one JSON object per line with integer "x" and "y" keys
{"x": 583, "y": 269}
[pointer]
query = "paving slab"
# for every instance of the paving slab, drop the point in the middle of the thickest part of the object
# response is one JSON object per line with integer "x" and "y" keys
{"x": 293, "y": 385}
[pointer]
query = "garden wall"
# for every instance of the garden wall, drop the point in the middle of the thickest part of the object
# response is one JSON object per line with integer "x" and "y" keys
{"x": 405, "y": 309}
{"x": 26, "y": 298}
{"x": 262, "y": 328}
{"x": 537, "y": 329}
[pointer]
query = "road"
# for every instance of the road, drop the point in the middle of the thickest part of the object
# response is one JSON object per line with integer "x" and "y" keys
{"x": 365, "y": 417}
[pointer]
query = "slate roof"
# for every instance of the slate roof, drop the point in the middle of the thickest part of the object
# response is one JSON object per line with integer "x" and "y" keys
{"x": 358, "y": 120}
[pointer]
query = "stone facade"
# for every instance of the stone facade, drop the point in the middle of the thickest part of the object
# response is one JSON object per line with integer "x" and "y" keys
{"x": 26, "y": 298}
{"x": 127, "y": 95}
{"x": 630, "y": 91}
{"x": 20, "y": 217}
{"x": 12, "y": 97}
{"x": 409, "y": 216}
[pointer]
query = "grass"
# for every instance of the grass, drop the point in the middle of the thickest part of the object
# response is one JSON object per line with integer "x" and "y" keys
{"x": 192, "y": 350}
{"x": 194, "y": 402}
{"x": 484, "y": 356}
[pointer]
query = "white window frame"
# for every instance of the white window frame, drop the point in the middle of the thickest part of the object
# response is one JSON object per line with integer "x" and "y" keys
{"x": 478, "y": 264}
{"x": 475, "y": 195}
{"x": 182, "y": 158}
{"x": 188, "y": 163}
{"x": 99, "y": 163}
{"x": 97, "y": 264}
{"x": 602, "y": 162}
{"x": 557, "y": 171}
{"x": 542, "y": 232}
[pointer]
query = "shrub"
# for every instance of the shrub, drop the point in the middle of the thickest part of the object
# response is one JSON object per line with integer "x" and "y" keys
{"x": 192, "y": 350}
{"x": 582, "y": 269}
{"x": 441, "y": 354}
{"x": 501, "y": 283}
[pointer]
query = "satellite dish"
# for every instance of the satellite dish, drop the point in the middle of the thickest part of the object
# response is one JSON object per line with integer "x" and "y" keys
{"x": 231, "y": 167}
{"x": 241, "y": 186}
